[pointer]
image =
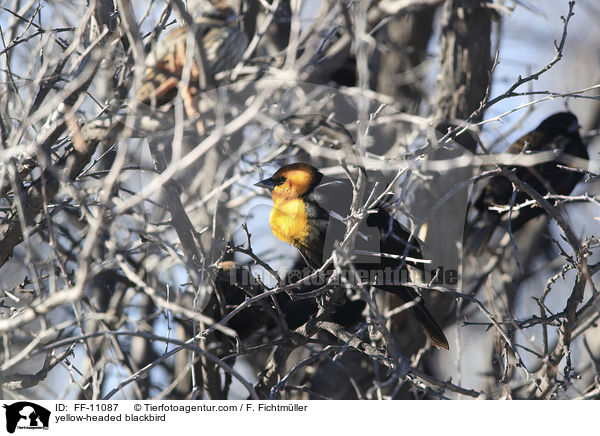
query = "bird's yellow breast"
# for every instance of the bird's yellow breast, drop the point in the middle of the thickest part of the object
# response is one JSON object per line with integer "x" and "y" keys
{"x": 288, "y": 221}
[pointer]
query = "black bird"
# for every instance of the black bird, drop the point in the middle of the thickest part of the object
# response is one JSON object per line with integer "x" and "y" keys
{"x": 558, "y": 132}
{"x": 307, "y": 212}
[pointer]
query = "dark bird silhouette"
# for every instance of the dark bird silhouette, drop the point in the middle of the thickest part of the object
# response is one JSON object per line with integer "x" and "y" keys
{"x": 235, "y": 283}
{"x": 559, "y": 133}
{"x": 307, "y": 213}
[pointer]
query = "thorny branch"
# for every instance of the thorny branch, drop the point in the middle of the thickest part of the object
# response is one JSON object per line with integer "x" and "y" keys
{"x": 113, "y": 225}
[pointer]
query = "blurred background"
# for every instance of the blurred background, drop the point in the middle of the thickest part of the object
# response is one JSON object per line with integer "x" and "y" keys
{"x": 131, "y": 229}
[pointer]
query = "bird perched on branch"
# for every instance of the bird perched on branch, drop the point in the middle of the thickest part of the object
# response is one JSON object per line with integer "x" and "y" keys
{"x": 224, "y": 44}
{"x": 306, "y": 214}
{"x": 560, "y": 133}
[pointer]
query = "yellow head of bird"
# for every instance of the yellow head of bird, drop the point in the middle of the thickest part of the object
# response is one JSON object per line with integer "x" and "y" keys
{"x": 291, "y": 181}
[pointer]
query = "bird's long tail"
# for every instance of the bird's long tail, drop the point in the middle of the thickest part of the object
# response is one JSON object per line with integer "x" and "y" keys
{"x": 431, "y": 328}
{"x": 421, "y": 314}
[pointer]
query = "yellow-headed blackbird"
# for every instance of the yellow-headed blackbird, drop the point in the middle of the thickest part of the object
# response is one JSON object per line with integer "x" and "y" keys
{"x": 308, "y": 212}
{"x": 558, "y": 132}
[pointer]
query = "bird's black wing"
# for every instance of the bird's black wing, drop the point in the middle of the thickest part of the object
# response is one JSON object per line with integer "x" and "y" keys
{"x": 546, "y": 177}
{"x": 396, "y": 245}
{"x": 335, "y": 196}
{"x": 381, "y": 248}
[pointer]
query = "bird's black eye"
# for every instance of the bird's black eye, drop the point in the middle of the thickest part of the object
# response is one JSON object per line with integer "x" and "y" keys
{"x": 278, "y": 181}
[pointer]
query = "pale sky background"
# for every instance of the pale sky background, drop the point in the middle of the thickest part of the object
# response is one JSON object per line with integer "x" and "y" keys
{"x": 527, "y": 44}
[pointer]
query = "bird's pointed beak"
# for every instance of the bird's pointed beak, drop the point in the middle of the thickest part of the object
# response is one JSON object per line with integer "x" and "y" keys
{"x": 267, "y": 184}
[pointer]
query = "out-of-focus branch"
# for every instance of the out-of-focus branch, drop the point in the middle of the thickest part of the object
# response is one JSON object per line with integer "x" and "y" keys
{"x": 462, "y": 83}
{"x": 374, "y": 353}
{"x": 465, "y": 53}
{"x": 75, "y": 160}
{"x": 189, "y": 344}
{"x": 15, "y": 382}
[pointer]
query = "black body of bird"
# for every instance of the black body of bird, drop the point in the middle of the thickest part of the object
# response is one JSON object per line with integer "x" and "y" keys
{"x": 558, "y": 132}
{"x": 308, "y": 212}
